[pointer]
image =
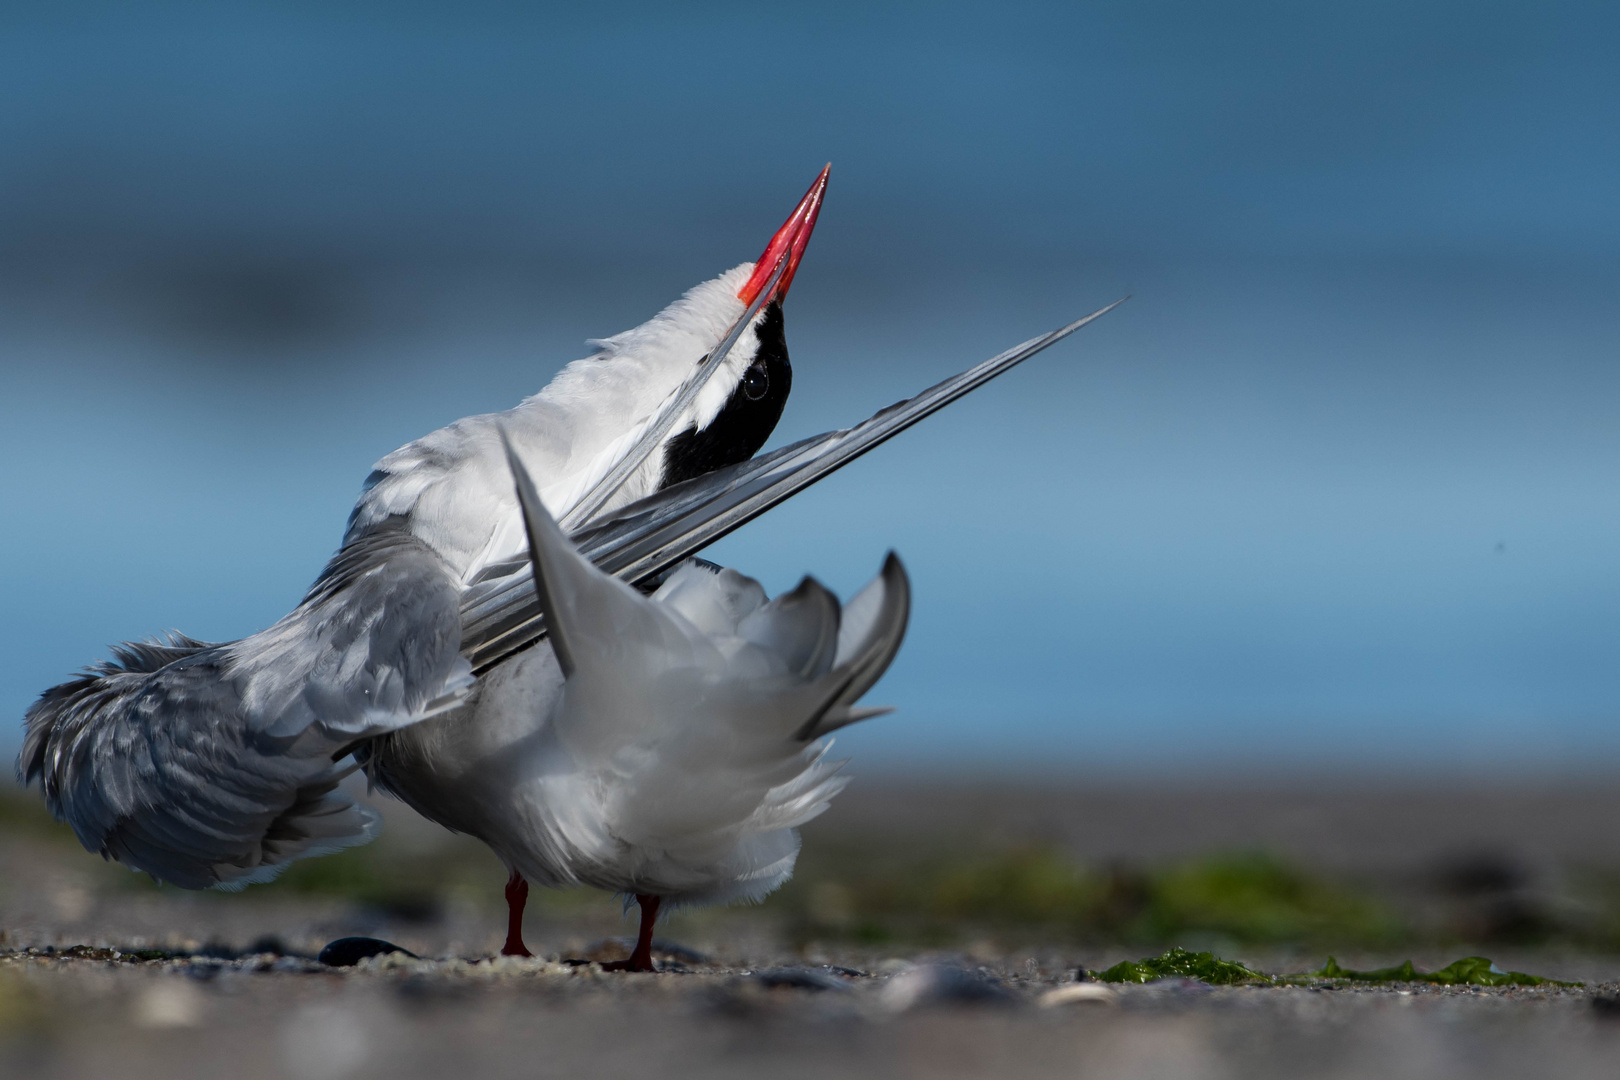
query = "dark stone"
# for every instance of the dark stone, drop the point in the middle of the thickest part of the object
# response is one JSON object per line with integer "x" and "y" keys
{"x": 852, "y": 973}
{"x": 944, "y": 984}
{"x": 349, "y": 951}
{"x": 798, "y": 978}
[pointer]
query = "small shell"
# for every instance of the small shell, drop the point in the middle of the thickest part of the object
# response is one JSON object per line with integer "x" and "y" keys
{"x": 1078, "y": 994}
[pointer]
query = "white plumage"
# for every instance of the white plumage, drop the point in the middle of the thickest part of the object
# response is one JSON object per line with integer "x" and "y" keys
{"x": 662, "y": 746}
{"x": 452, "y": 486}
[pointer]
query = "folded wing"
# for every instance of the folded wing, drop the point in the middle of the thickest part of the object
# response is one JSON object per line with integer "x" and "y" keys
{"x": 637, "y": 543}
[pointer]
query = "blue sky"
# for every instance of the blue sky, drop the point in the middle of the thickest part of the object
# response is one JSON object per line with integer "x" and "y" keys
{"x": 1336, "y": 488}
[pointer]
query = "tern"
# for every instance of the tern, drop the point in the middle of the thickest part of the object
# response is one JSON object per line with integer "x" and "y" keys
{"x": 215, "y": 765}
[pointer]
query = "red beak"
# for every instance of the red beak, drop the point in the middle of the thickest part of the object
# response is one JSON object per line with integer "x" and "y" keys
{"x": 788, "y": 243}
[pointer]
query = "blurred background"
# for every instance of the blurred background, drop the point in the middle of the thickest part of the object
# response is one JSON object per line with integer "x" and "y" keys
{"x": 1335, "y": 489}
{"x": 1275, "y": 614}
{"x": 1328, "y": 507}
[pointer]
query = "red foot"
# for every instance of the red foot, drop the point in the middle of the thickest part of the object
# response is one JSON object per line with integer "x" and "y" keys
{"x": 517, "y": 895}
{"x": 641, "y": 958}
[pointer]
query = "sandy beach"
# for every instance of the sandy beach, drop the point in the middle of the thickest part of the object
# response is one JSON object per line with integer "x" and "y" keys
{"x": 101, "y": 972}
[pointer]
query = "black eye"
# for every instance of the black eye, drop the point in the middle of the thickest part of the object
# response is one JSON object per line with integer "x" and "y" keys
{"x": 755, "y": 382}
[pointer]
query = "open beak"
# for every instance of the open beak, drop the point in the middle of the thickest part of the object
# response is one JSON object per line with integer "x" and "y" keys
{"x": 788, "y": 243}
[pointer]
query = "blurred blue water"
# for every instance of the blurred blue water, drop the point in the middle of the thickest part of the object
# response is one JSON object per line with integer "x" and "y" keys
{"x": 1337, "y": 486}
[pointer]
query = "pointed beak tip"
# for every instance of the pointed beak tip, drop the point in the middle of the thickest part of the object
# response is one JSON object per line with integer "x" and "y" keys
{"x": 788, "y": 243}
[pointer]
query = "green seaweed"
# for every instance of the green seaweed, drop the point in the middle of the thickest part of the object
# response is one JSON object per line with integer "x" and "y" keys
{"x": 1255, "y": 898}
{"x": 1469, "y": 971}
{"x": 1180, "y": 963}
{"x": 874, "y": 893}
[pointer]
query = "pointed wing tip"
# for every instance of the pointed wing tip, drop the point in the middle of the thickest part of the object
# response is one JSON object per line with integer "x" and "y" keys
{"x": 809, "y": 588}
{"x": 896, "y": 579}
{"x": 1084, "y": 319}
{"x": 838, "y": 719}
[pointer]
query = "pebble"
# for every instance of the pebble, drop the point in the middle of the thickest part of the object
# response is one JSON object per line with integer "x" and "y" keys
{"x": 1078, "y": 994}
{"x": 349, "y": 951}
{"x": 942, "y": 984}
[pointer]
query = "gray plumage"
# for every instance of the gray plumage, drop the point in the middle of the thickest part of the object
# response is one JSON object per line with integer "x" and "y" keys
{"x": 217, "y": 764}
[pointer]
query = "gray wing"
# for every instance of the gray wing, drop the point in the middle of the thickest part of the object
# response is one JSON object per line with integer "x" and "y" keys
{"x": 500, "y": 615}
{"x": 215, "y": 765}
{"x": 373, "y": 646}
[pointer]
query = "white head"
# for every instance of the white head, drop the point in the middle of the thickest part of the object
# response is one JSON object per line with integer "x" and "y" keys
{"x": 633, "y": 372}
{"x": 590, "y": 436}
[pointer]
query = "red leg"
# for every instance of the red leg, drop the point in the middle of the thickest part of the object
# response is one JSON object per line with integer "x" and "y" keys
{"x": 517, "y": 894}
{"x": 641, "y": 958}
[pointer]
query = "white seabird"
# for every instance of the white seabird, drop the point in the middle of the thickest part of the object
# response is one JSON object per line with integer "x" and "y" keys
{"x": 215, "y": 765}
